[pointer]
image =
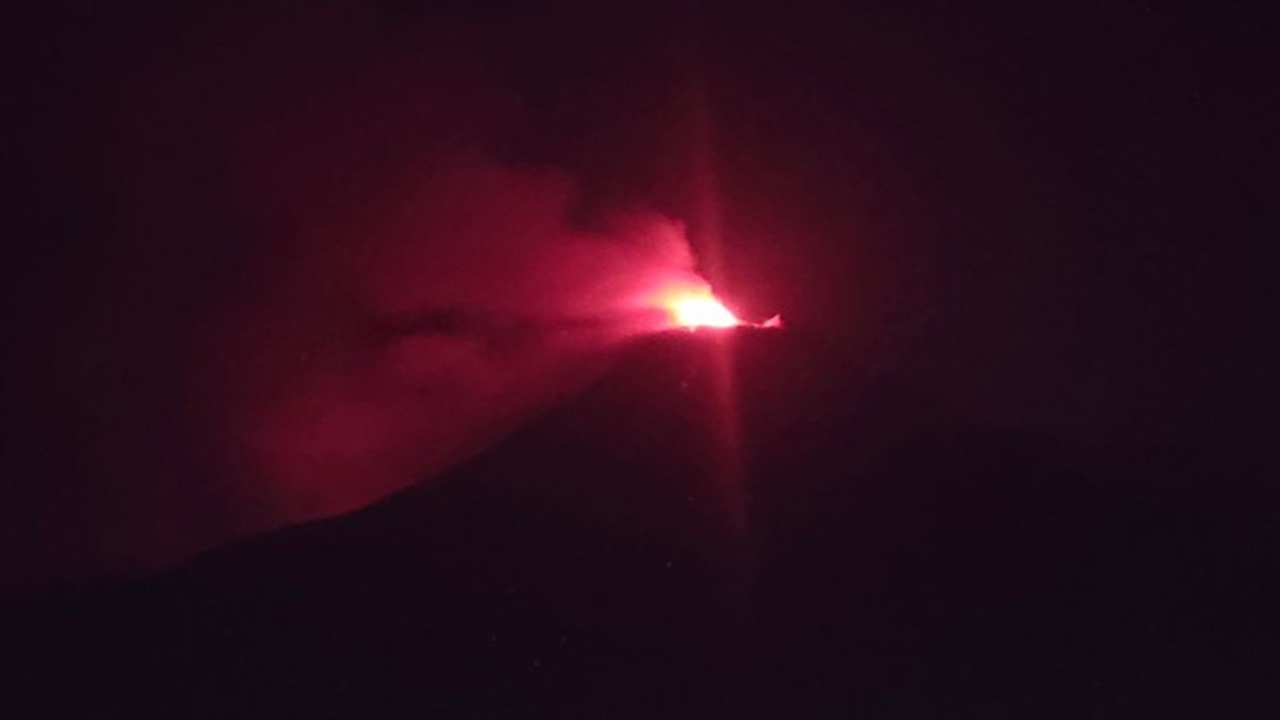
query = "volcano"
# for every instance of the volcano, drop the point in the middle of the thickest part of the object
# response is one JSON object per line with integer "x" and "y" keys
{"x": 893, "y": 559}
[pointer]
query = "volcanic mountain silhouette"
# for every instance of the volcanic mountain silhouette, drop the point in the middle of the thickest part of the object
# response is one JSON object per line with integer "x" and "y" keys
{"x": 895, "y": 561}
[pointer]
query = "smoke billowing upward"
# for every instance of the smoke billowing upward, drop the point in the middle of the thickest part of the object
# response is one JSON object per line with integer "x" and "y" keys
{"x": 319, "y": 266}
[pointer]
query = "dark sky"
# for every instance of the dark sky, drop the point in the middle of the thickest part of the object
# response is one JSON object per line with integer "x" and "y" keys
{"x": 1050, "y": 225}
{"x": 1056, "y": 214}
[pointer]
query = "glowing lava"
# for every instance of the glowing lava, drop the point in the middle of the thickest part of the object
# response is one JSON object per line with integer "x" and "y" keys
{"x": 693, "y": 305}
{"x": 695, "y": 311}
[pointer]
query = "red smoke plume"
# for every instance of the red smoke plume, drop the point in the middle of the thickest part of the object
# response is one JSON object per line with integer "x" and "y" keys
{"x": 316, "y": 287}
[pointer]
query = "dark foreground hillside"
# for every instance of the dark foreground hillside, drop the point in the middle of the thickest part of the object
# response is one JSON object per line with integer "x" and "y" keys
{"x": 894, "y": 561}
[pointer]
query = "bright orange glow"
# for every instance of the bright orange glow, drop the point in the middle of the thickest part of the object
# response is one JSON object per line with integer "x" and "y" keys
{"x": 693, "y": 305}
{"x": 695, "y": 311}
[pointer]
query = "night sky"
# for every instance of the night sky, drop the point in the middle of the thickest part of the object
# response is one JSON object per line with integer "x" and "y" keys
{"x": 290, "y": 427}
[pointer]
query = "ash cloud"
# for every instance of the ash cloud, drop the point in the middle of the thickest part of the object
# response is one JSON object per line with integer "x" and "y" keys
{"x": 312, "y": 272}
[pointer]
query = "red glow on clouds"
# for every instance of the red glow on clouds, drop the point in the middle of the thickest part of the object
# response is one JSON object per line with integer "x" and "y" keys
{"x": 409, "y": 300}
